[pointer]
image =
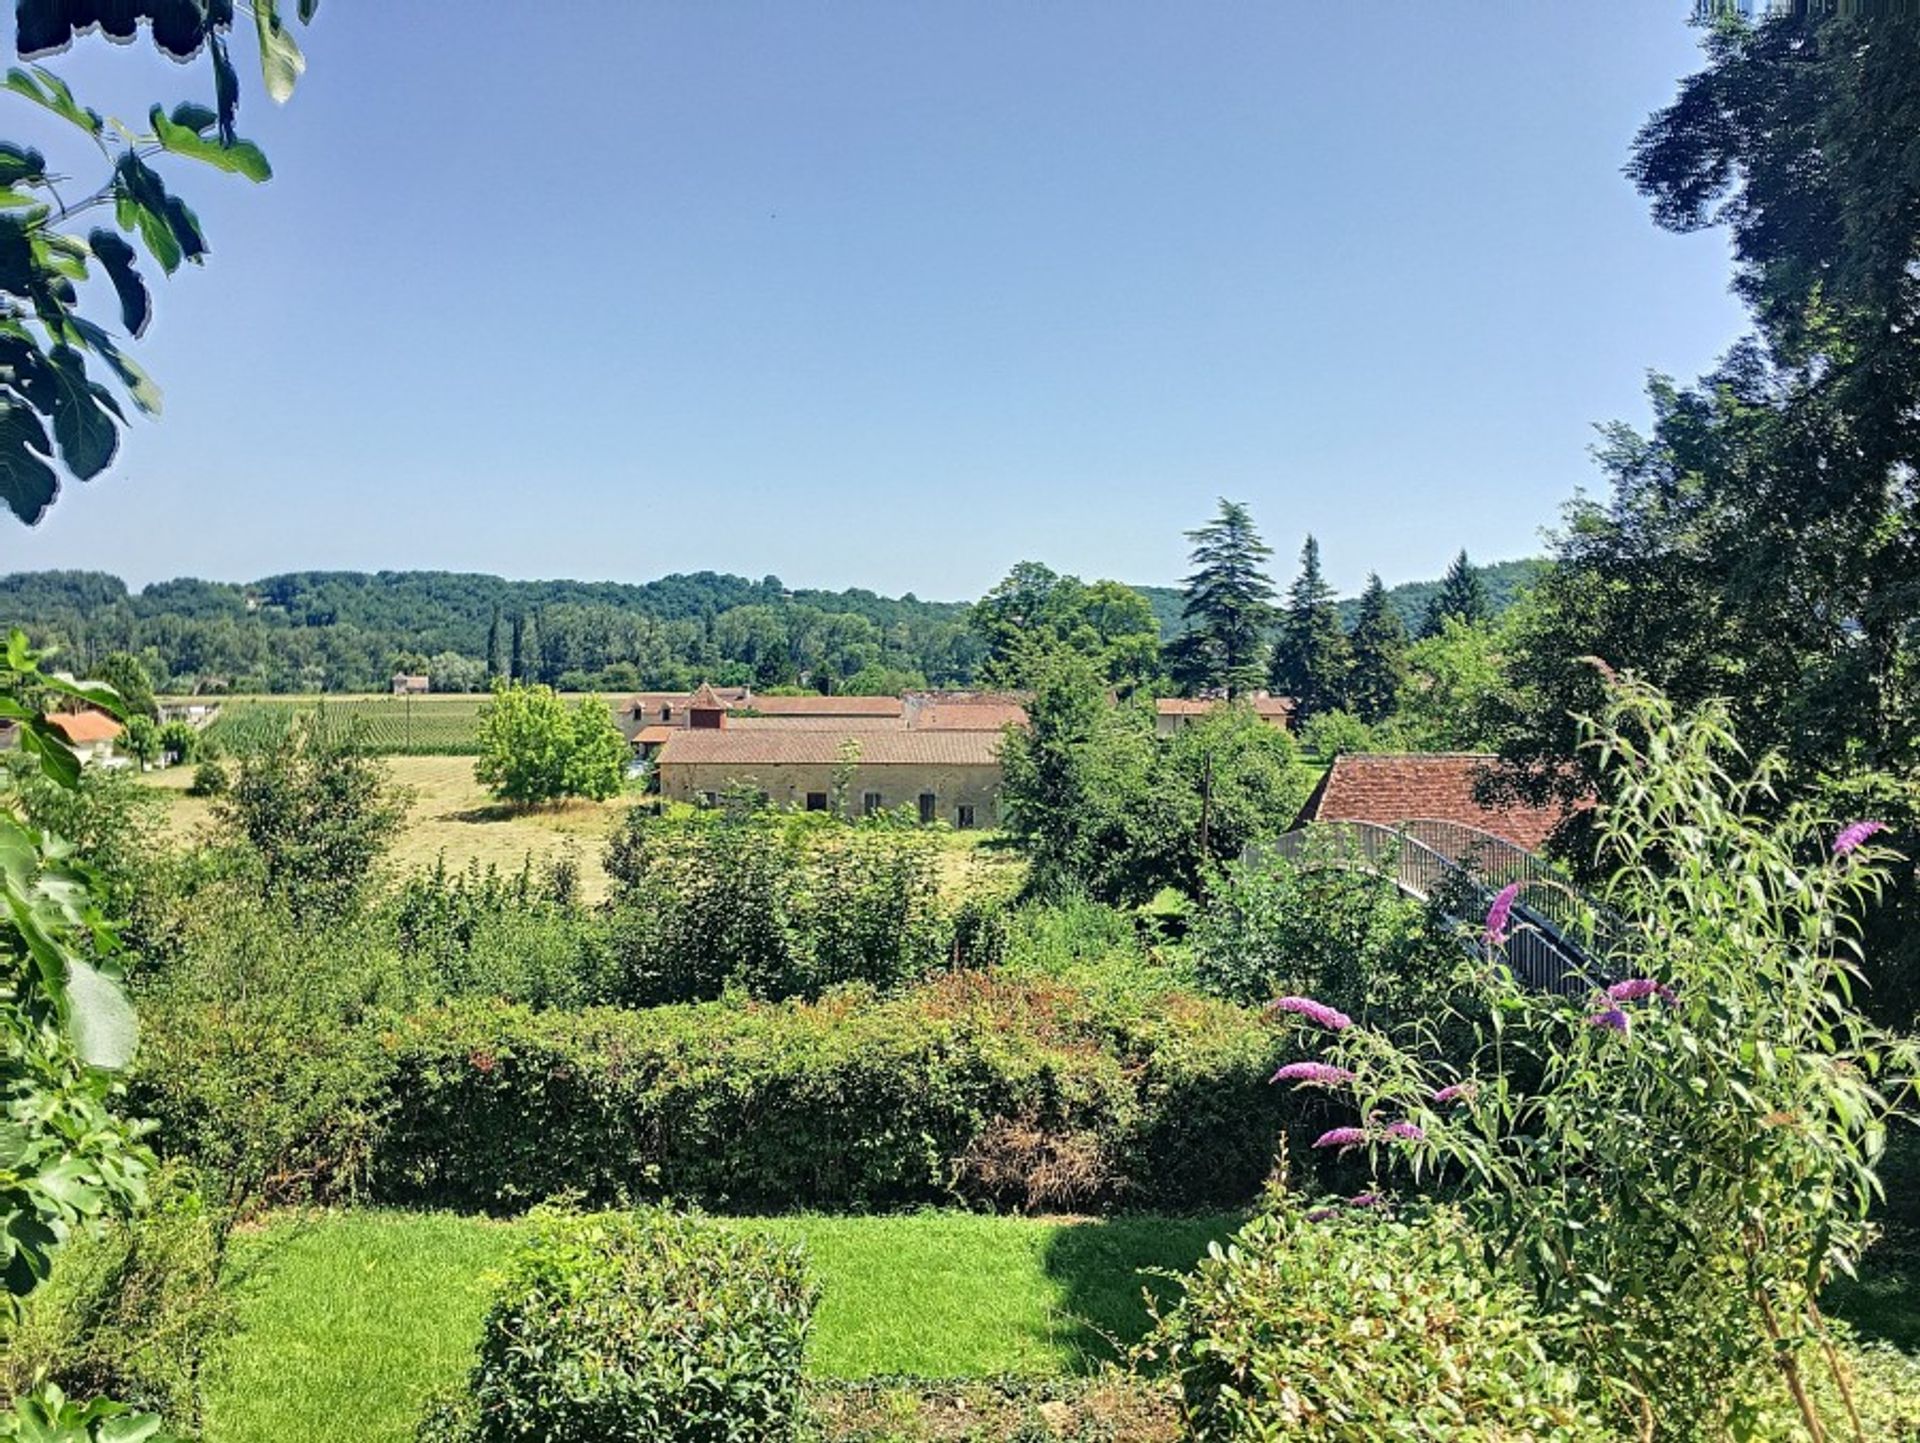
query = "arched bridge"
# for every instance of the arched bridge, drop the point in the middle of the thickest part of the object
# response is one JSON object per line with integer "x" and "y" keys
{"x": 1556, "y": 940}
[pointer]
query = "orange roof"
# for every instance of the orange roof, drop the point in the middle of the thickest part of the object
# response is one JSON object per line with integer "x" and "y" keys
{"x": 653, "y": 736}
{"x": 970, "y": 716}
{"x": 775, "y": 746}
{"x": 1269, "y": 707}
{"x": 1390, "y": 788}
{"x": 84, "y": 728}
{"x": 826, "y": 705}
{"x": 706, "y": 699}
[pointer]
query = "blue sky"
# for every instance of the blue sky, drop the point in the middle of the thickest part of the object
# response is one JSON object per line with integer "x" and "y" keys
{"x": 894, "y": 294}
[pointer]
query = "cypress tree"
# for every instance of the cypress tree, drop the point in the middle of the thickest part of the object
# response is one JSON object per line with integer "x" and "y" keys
{"x": 1379, "y": 643}
{"x": 1311, "y": 657}
{"x": 1462, "y": 594}
{"x": 499, "y": 663}
{"x": 1228, "y": 603}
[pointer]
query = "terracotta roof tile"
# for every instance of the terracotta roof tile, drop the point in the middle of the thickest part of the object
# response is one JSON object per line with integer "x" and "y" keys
{"x": 84, "y": 728}
{"x": 774, "y": 746}
{"x": 970, "y": 716}
{"x": 825, "y": 705}
{"x": 1391, "y": 788}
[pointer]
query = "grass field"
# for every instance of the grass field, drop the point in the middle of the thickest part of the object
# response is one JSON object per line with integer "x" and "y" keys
{"x": 451, "y": 815}
{"x": 434, "y": 725}
{"x": 356, "y": 1316}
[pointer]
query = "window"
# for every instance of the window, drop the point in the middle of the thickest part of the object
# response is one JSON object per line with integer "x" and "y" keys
{"x": 666, "y": 711}
{"x": 928, "y": 805}
{"x": 871, "y": 804}
{"x": 816, "y": 801}
{"x": 963, "y": 817}
{"x": 709, "y": 799}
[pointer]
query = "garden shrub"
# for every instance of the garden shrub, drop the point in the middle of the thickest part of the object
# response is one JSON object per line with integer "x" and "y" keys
{"x": 742, "y": 898}
{"x": 651, "y": 1326}
{"x": 210, "y": 779}
{"x": 133, "y": 1312}
{"x": 851, "y": 1101}
{"x": 1362, "y": 1326}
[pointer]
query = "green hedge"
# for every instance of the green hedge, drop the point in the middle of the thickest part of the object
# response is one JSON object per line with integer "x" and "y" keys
{"x": 1018, "y": 1093}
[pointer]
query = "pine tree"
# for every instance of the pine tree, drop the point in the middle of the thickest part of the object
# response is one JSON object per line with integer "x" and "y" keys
{"x": 499, "y": 662}
{"x": 1311, "y": 657}
{"x": 1379, "y": 643}
{"x": 1229, "y": 604}
{"x": 1462, "y": 594}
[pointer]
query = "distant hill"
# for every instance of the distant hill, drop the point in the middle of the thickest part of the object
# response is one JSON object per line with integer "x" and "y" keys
{"x": 1505, "y": 580}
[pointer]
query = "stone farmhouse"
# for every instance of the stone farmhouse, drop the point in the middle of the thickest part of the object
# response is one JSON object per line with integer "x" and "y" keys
{"x": 91, "y": 734}
{"x": 1171, "y": 713}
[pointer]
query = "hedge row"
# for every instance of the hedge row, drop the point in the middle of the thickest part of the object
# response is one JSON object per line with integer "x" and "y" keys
{"x": 971, "y": 1086}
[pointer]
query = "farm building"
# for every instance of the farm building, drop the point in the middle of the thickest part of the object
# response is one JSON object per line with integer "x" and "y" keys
{"x": 1171, "y": 713}
{"x": 648, "y": 709}
{"x": 410, "y": 684}
{"x": 946, "y": 776}
{"x": 966, "y": 711}
{"x": 90, "y": 733}
{"x": 1390, "y": 788}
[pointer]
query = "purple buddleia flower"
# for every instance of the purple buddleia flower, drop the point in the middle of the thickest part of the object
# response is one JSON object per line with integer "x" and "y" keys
{"x": 1611, "y": 1018}
{"x": 1455, "y": 1092}
{"x": 1636, "y": 989}
{"x": 1365, "y": 1200}
{"x": 1316, "y": 1012}
{"x": 1320, "y": 1215}
{"x": 1323, "y": 1073}
{"x": 1340, "y": 1137}
{"x": 1500, "y": 913}
{"x": 1406, "y": 1131}
{"x": 1853, "y": 836}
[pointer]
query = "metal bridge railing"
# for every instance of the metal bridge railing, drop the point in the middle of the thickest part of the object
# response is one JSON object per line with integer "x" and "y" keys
{"x": 1556, "y": 941}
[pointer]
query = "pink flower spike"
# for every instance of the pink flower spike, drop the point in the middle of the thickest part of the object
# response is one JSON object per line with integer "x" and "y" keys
{"x": 1320, "y": 1215}
{"x": 1324, "y": 1074}
{"x": 1500, "y": 913}
{"x": 1456, "y": 1092}
{"x": 1340, "y": 1137}
{"x": 1634, "y": 989}
{"x": 1365, "y": 1200}
{"x": 1853, "y": 836}
{"x": 1316, "y": 1012}
{"x": 1611, "y": 1018}
{"x": 1406, "y": 1131}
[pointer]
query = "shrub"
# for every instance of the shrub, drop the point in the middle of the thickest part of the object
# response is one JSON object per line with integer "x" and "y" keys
{"x": 778, "y": 908}
{"x": 481, "y": 933}
{"x": 180, "y": 741}
{"x": 1325, "y": 927}
{"x": 210, "y": 779}
{"x": 851, "y": 1101}
{"x": 650, "y": 1325}
{"x": 1361, "y": 1326}
{"x": 134, "y": 1312}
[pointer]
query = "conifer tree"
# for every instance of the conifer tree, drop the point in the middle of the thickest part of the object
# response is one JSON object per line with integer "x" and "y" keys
{"x": 1462, "y": 594}
{"x": 1379, "y": 643}
{"x": 1311, "y": 657}
{"x": 499, "y": 662}
{"x": 1229, "y": 604}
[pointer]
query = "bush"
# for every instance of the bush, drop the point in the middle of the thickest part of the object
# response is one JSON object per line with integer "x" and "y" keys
{"x": 481, "y": 933}
{"x": 1325, "y": 927}
{"x": 649, "y": 1325}
{"x": 534, "y": 748}
{"x": 1362, "y": 1326}
{"x": 180, "y": 741}
{"x": 210, "y": 779}
{"x": 1031, "y": 1094}
{"x": 777, "y": 908}
{"x": 132, "y": 1313}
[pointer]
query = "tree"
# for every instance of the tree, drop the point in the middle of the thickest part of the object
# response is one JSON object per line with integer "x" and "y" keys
{"x": 48, "y": 335}
{"x": 499, "y": 658}
{"x": 1227, "y": 603}
{"x": 317, "y": 812}
{"x": 1311, "y": 657}
{"x": 141, "y": 739}
{"x": 1379, "y": 645}
{"x": 529, "y": 660}
{"x": 1035, "y": 612}
{"x": 1454, "y": 680}
{"x": 534, "y": 748}
{"x": 128, "y": 677}
{"x": 1462, "y": 597}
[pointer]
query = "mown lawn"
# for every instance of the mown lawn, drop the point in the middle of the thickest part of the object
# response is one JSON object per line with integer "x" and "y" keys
{"x": 348, "y": 1320}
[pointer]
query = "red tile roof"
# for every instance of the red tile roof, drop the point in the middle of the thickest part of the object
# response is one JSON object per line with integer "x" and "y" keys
{"x": 774, "y": 746}
{"x": 969, "y": 716}
{"x": 1269, "y": 707}
{"x": 825, "y": 705}
{"x": 1402, "y": 787}
{"x": 84, "y": 728}
{"x": 654, "y": 735}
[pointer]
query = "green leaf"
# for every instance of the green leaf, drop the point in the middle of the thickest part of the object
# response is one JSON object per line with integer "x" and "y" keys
{"x": 86, "y": 434}
{"x": 281, "y": 63}
{"x": 137, "y": 1428}
{"x": 192, "y": 115}
{"x": 27, "y": 482}
{"x": 56, "y": 757}
{"x": 308, "y": 9}
{"x": 226, "y": 87}
{"x": 16, "y": 257}
{"x": 46, "y": 89}
{"x": 241, "y": 157}
{"x": 140, "y": 386}
{"x": 18, "y": 163}
{"x": 140, "y": 201}
{"x": 100, "y": 1020}
{"x": 117, "y": 260}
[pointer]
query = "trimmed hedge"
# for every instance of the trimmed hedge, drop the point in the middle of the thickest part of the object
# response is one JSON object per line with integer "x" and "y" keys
{"x": 972, "y": 1085}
